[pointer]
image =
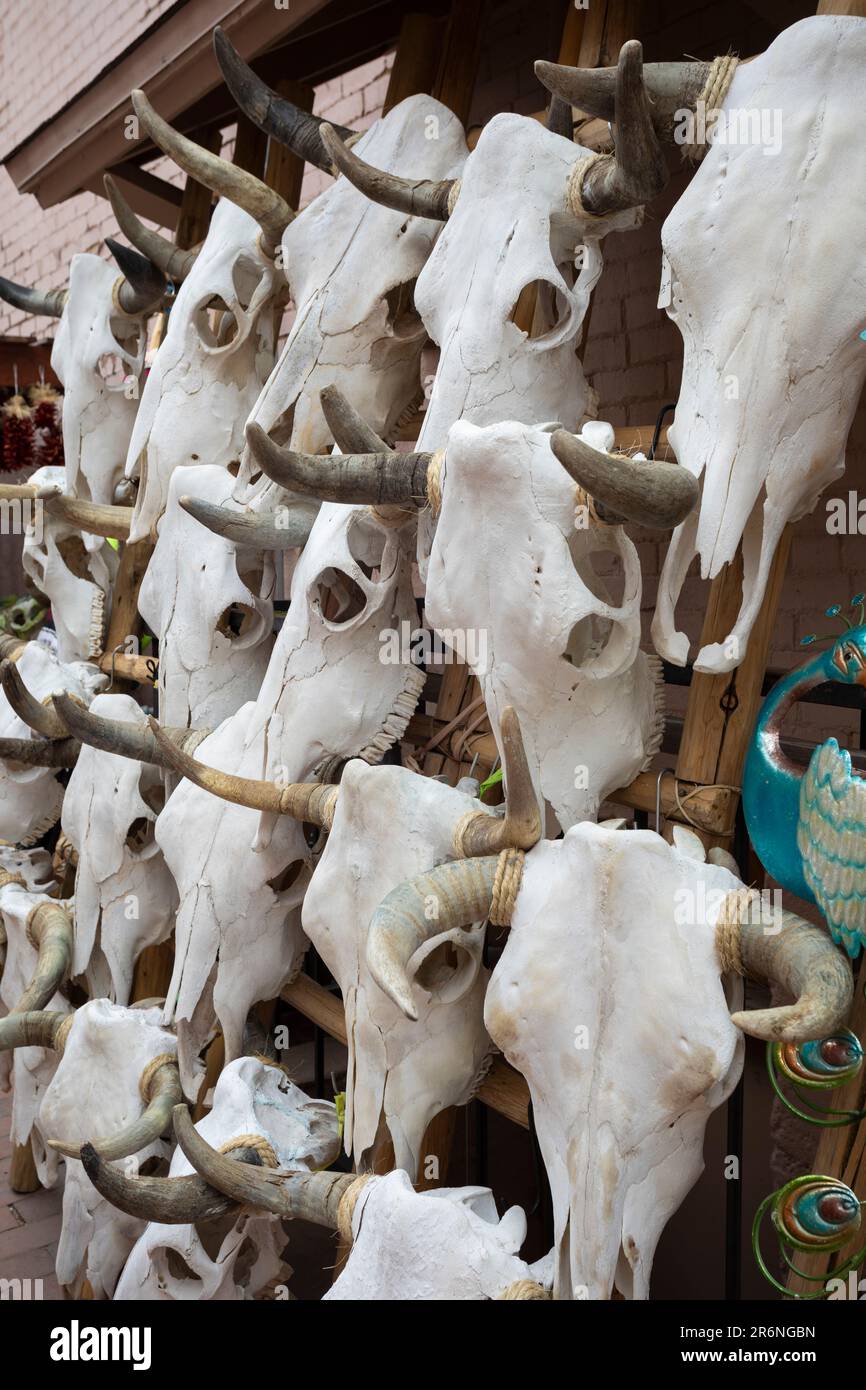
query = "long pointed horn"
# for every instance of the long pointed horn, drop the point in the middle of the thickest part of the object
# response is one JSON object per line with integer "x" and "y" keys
{"x": 311, "y": 802}
{"x": 351, "y": 432}
{"x": 462, "y": 891}
{"x": 170, "y": 1201}
{"x": 40, "y": 752}
{"x": 377, "y": 479}
{"x": 96, "y": 518}
{"x": 802, "y": 958}
{"x": 671, "y": 87}
{"x": 47, "y": 302}
{"x": 637, "y": 171}
{"x": 117, "y": 736}
{"x": 37, "y": 1029}
{"x": 294, "y": 128}
{"x": 50, "y": 932}
{"x": 520, "y": 828}
{"x": 282, "y": 529}
{"x": 419, "y": 198}
{"x": 173, "y": 262}
{"x": 143, "y": 287}
{"x": 41, "y": 718}
{"x": 272, "y": 212}
{"x": 311, "y": 1197}
{"x": 659, "y": 495}
{"x": 161, "y": 1092}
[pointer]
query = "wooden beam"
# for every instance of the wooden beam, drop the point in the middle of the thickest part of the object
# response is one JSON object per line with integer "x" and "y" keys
{"x": 418, "y": 58}
{"x": 284, "y": 171}
{"x": 458, "y": 66}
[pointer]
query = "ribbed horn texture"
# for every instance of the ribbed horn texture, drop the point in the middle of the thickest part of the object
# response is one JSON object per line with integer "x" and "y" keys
{"x": 462, "y": 891}
{"x": 351, "y": 432}
{"x": 173, "y": 262}
{"x": 637, "y": 172}
{"x": 41, "y": 718}
{"x": 163, "y": 1094}
{"x": 375, "y": 479}
{"x": 419, "y": 198}
{"x": 35, "y": 1029}
{"x": 283, "y": 529}
{"x": 272, "y": 212}
{"x": 659, "y": 495}
{"x": 294, "y": 128}
{"x": 311, "y": 1197}
{"x": 143, "y": 287}
{"x": 50, "y": 930}
{"x": 802, "y": 958}
{"x": 44, "y": 302}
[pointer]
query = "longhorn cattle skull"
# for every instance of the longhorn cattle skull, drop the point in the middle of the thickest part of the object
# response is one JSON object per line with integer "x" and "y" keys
{"x": 125, "y": 896}
{"x": 237, "y": 1257}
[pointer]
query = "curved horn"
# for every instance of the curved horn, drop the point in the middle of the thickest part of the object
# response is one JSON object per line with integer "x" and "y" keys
{"x": 282, "y": 529}
{"x": 11, "y": 647}
{"x": 117, "y": 736}
{"x": 143, "y": 286}
{"x": 560, "y": 118}
{"x": 161, "y": 1091}
{"x": 41, "y": 752}
{"x": 463, "y": 891}
{"x": 351, "y": 432}
{"x": 173, "y": 262}
{"x": 170, "y": 1201}
{"x": 520, "y": 828}
{"x": 37, "y": 1029}
{"x": 96, "y": 518}
{"x": 671, "y": 87}
{"x": 48, "y": 302}
{"x": 637, "y": 171}
{"x": 50, "y": 931}
{"x": 421, "y": 198}
{"x": 272, "y": 212}
{"x": 311, "y": 1197}
{"x": 294, "y": 128}
{"x": 660, "y": 494}
{"x": 803, "y": 959}
{"x": 311, "y": 802}
{"x": 41, "y": 718}
{"x": 376, "y": 479}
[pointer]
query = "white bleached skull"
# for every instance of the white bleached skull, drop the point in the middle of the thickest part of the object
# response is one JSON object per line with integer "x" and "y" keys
{"x": 73, "y": 570}
{"x": 774, "y": 362}
{"x": 450, "y": 1244}
{"x": 205, "y": 379}
{"x": 352, "y": 265}
{"x": 543, "y": 633}
{"x": 234, "y": 1259}
{"x": 98, "y": 355}
{"x": 31, "y": 797}
{"x": 96, "y": 1091}
{"x": 125, "y": 896}
{"x": 327, "y": 693}
{"x": 210, "y": 604}
{"x": 391, "y": 824}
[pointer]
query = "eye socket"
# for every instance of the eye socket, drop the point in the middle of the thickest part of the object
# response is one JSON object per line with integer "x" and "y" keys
{"x": 403, "y": 317}
{"x": 540, "y": 308}
{"x": 112, "y": 369}
{"x": 139, "y": 835}
{"x": 235, "y": 621}
{"x": 339, "y": 597}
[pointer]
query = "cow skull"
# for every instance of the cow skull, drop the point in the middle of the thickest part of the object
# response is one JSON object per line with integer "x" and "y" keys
{"x": 125, "y": 896}
{"x": 235, "y": 1258}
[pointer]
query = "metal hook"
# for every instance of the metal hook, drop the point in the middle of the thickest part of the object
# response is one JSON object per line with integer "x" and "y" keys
{"x": 664, "y": 772}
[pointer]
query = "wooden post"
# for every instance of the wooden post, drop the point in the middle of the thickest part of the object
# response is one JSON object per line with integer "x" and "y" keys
{"x": 284, "y": 170}
{"x": 22, "y": 1169}
{"x": 458, "y": 67}
{"x": 418, "y": 60}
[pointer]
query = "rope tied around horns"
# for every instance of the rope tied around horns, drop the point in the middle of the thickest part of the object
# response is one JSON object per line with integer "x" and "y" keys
{"x": 145, "y": 1081}
{"x": 348, "y": 1202}
{"x": 735, "y": 910}
{"x": 710, "y": 101}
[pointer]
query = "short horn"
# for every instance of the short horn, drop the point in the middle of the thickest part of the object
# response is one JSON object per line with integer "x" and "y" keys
{"x": 161, "y": 1092}
{"x": 282, "y": 529}
{"x": 170, "y": 1201}
{"x": 376, "y": 479}
{"x": 659, "y": 495}
{"x": 272, "y": 212}
{"x": 802, "y": 958}
{"x": 671, "y": 87}
{"x": 463, "y": 892}
{"x": 311, "y": 1197}
{"x": 143, "y": 286}
{"x": 50, "y": 931}
{"x": 43, "y": 302}
{"x": 31, "y": 1029}
{"x": 40, "y": 752}
{"x": 520, "y": 827}
{"x": 637, "y": 171}
{"x": 96, "y": 518}
{"x": 41, "y": 718}
{"x": 173, "y": 262}
{"x": 418, "y": 198}
{"x": 310, "y": 802}
{"x": 294, "y": 128}
{"x": 350, "y": 430}
{"x": 125, "y": 739}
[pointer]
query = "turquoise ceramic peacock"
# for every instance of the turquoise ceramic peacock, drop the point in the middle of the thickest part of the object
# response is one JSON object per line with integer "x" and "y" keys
{"x": 809, "y": 829}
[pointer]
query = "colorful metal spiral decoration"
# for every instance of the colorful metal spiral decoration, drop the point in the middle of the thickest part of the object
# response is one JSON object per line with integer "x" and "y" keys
{"x": 821, "y": 1065}
{"x": 812, "y": 1213}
